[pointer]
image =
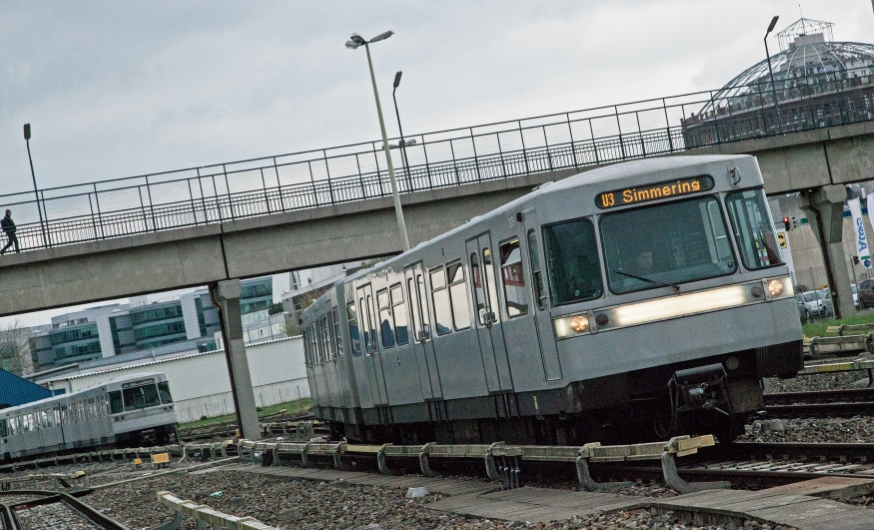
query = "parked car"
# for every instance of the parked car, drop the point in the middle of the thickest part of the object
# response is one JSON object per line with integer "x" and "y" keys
{"x": 855, "y": 295}
{"x": 866, "y": 294}
{"x": 815, "y": 303}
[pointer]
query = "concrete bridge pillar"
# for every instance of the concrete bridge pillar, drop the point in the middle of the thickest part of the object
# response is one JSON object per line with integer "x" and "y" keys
{"x": 226, "y": 297}
{"x": 824, "y": 208}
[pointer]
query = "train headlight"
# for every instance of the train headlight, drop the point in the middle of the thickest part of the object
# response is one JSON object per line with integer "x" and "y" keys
{"x": 566, "y": 327}
{"x": 775, "y": 287}
{"x": 579, "y": 323}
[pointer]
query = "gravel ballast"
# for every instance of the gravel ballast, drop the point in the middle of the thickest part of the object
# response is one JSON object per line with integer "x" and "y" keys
{"x": 304, "y": 504}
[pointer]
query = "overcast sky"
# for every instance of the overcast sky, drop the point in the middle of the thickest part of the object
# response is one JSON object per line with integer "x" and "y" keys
{"x": 114, "y": 89}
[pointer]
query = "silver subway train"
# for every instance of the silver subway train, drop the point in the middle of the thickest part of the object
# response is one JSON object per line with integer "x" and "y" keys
{"x": 635, "y": 301}
{"x": 132, "y": 410}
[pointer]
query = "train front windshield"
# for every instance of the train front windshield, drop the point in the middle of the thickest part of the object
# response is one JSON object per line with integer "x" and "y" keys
{"x": 140, "y": 397}
{"x": 666, "y": 244}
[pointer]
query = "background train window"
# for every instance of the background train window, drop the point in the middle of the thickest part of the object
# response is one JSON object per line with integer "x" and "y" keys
{"x": 140, "y": 397}
{"x": 440, "y": 294}
{"x": 399, "y": 312}
{"x": 164, "y": 392}
{"x": 325, "y": 344}
{"x": 115, "y": 404}
{"x": 458, "y": 295}
{"x": 536, "y": 273}
{"x": 386, "y": 328}
{"x": 513, "y": 278}
{"x": 479, "y": 290}
{"x": 3, "y": 432}
{"x": 753, "y": 229}
{"x": 354, "y": 337}
{"x": 665, "y": 244}
{"x": 572, "y": 262}
{"x": 423, "y": 309}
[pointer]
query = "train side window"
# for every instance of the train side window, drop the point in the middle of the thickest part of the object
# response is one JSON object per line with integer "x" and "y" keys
{"x": 354, "y": 333}
{"x": 536, "y": 273}
{"x": 410, "y": 292}
{"x": 399, "y": 312}
{"x": 423, "y": 305}
{"x": 25, "y": 423}
{"x": 325, "y": 339}
{"x": 57, "y": 417}
{"x": 513, "y": 278}
{"x": 164, "y": 392}
{"x": 440, "y": 295}
{"x": 115, "y": 404}
{"x": 3, "y": 432}
{"x": 479, "y": 294}
{"x": 386, "y": 327}
{"x": 458, "y": 295}
{"x": 572, "y": 262}
{"x": 338, "y": 341}
{"x": 753, "y": 229}
{"x": 44, "y": 417}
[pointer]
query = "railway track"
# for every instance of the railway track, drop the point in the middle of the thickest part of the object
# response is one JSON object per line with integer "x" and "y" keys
{"x": 823, "y": 403}
{"x": 46, "y": 510}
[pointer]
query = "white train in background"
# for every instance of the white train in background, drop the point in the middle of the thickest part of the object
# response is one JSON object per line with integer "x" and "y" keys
{"x": 133, "y": 410}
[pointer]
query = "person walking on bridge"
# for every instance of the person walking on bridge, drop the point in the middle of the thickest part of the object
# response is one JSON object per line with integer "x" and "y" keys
{"x": 8, "y": 226}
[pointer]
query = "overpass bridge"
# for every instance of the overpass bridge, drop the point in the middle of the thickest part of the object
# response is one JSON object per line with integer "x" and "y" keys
{"x": 216, "y": 224}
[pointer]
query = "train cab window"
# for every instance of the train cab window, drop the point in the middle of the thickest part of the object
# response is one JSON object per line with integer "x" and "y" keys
{"x": 753, "y": 229}
{"x": 536, "y": 273}
{"x": 572, "y": 262}
{"x": 116, "y": 406}
{"x": 399, "y": 312}
{"x": 665, "y": 245}
{"x": 354, "y": 336}
{"x": 386, "y": 327}
{"x": 513, "y": 278}
{"x": 440, "y": 295}
{"x": 164, "y": 392}
{"x": 336, "y": 337}
{"x": 458, "y": 295}
{"x": 141, "y": 397}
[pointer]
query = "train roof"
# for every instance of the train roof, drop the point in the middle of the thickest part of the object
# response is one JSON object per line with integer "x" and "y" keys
{"x": 623, "y": 170}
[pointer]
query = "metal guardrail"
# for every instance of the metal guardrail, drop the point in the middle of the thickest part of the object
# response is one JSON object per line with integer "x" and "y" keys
{"x": 311, "y": 179}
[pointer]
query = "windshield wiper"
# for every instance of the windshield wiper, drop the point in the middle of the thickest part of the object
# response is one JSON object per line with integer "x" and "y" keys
{"x": 647, "y": 280}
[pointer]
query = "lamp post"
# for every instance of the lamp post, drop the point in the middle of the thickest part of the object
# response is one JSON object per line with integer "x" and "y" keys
{"x": 771, "y": 72}
{"x": 403, "y": 143}
{"x": 42, "y": 227}
{"x": 356, "y": 41}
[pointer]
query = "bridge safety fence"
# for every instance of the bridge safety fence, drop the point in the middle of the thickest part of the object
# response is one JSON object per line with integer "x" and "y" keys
{"x": 316, "y": 178}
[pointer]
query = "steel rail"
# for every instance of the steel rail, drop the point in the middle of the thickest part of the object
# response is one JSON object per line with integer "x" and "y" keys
{"x": 44, "y": 498}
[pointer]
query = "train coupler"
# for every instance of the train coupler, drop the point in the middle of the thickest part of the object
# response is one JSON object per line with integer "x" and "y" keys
{"x": 701, "y": 388}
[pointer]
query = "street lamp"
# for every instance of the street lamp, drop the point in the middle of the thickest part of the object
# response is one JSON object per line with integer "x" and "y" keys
{"x": 770, "y": 71}
{"x": 42, "y": 227}
{"x": 403, "y": 144}
{"x": 356, "y": 41}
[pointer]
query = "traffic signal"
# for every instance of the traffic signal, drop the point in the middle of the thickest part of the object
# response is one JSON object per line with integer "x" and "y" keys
{"x": 786, "y": 224}
{"x": 855, "y": 260}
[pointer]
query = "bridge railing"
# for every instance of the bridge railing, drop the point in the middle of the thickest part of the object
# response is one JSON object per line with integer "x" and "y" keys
{"x": 315, "y": 178}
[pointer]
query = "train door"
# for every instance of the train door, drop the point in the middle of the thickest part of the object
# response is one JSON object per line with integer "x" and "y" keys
{"x": 420, "y": 324}
{"x": 542, "y": 318}
{"x": 488, "y": 317}
{"x": 372, "y": 361}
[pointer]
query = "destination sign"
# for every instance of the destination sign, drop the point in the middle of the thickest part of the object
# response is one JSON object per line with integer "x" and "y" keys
{"x": 652, "y": 192}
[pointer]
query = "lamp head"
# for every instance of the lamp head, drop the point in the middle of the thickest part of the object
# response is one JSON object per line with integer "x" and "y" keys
{"x": 382, "y": 36}
{"x": 397, "y": 82}
{"x": 357, "y": 39}
{"x": 351, "y": 45}
{"x": 27, "y": 131}
{"x": 771, "y": 25}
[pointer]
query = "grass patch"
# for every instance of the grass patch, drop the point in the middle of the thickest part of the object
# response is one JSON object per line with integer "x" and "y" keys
{"x": 292, "y": 407}
{"x": 817, "y": 329}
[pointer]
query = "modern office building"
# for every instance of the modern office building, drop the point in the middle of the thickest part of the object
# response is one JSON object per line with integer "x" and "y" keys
{"x": 189, "y": 321}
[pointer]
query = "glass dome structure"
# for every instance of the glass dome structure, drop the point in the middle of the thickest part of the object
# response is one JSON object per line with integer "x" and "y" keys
{"x": 816, "y": 83}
